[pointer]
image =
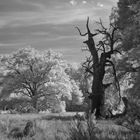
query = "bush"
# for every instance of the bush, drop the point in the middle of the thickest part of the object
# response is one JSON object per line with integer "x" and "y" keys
{"x": 26, "y": 108}
{"x": 76, "y": 108}
{"x": 13, "y": 103}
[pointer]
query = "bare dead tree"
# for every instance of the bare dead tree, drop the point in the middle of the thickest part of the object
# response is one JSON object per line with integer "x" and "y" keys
{"x": 99, "y": 60}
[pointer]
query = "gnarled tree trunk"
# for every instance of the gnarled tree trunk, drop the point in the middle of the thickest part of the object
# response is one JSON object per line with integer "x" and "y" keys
{"x": 99, "y": 62}
{"x": 97, "y": 96}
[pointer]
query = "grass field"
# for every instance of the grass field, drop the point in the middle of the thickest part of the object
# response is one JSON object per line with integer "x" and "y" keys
{"x": 52, "y": 126}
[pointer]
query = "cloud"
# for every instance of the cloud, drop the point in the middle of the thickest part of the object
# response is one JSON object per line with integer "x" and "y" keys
{"x": 62, "y": 13}
{"x": 73, "y": 2}
{"x": 68, "y": 37}
{"x": 100, "y": 4}
{"x": 55, "y": 17}
{"x": 3, "y": 23}
{"x": 17, "y": 6}
{"x": 84, "y": 2}
{"x": 10, "y": 44}
{"x": 10, "y": 47}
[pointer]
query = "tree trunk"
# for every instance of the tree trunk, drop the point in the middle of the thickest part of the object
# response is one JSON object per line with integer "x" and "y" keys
{"x": 97, "y": 102}
{"x": 34, "y": 102}
{"x": 97, "y": 99}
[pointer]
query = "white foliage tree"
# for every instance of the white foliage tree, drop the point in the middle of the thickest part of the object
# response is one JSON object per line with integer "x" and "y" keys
{"x": 36, "y": 75}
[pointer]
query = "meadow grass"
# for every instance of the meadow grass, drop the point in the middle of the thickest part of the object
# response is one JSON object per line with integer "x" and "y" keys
{"x": 64, "y": 127}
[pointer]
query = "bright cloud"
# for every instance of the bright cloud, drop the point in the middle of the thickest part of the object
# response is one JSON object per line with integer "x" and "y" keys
{"x": 73, "y": 2}
{"x": 100, "y": 4}
{"x": 84, "y": 2}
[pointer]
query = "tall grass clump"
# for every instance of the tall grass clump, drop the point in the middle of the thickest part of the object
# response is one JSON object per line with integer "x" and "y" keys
{"x": 5, "y": 125}
{"x": 86, "y": 129}
{"x": 83, "y": 129}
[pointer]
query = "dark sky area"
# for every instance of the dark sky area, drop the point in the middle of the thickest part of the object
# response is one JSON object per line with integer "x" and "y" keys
{"x": 49, "y": 24}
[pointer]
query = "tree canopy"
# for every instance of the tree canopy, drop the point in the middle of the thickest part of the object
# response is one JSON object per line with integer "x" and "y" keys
{"x": 37, "y": 75}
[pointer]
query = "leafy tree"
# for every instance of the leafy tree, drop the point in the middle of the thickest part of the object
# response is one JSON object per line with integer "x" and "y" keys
{"x": 36, "y": 75}
{"x": 128, "y": 17}
{"x": 65, "y": 87}
{"x": 130, "y": 30}
{"x": 27, "y": 71}
{"x": 76, "y": 75}
{"x": 128, "y": 64}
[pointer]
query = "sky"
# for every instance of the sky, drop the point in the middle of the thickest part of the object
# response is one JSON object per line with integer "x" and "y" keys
{"x": 50, "y": 24}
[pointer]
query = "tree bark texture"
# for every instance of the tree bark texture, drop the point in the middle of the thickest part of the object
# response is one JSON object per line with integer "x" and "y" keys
{"x": 34, "y": 102}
